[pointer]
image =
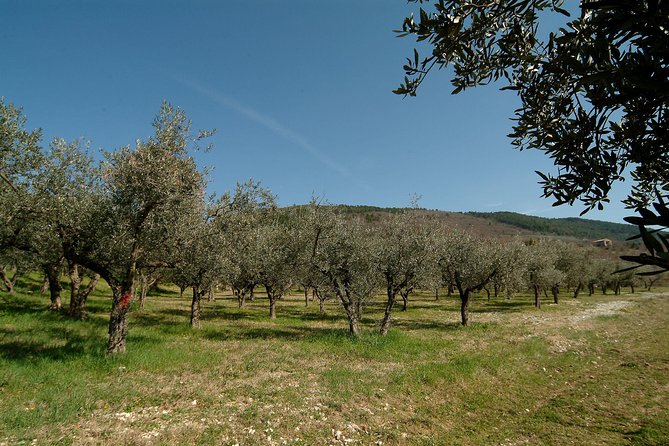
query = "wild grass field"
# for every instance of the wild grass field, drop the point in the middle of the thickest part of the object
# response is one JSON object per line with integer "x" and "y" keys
{"x": 589, "y": 371}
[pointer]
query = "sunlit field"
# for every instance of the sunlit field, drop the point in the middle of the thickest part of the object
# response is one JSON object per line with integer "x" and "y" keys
{"x": 593, "y": 370}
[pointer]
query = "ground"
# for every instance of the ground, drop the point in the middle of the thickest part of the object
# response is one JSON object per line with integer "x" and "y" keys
{"x": 593, "y": 370}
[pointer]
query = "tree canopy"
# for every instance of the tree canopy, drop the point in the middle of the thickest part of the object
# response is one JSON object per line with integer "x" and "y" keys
{"x": 593, "y": 93}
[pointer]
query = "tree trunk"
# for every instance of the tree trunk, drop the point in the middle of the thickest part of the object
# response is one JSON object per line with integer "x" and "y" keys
{"x": 181, "y": 290}
{"x": 76, "y": 303}
{"x": 53, "y": 273}
{"x": 352, "y": 311}
{"x": 79, "y": 312}
{"x": 555, "y": 290}
{"x": 6, "y": 281}
{"x": 210, "y": 294}
{"x": 385, "y": 322}
{"x": 272, "y": 305}
{"x": 273, "y": 297}
{"x": 496, "y": 290}
{"x": 464, "y": 307}
{"x": 251, "y": 295}
{"x": 306, "y": 296}
{"x": 436, "y": 293}
{"x": 577, "y": 290}
{"x": 353, "y": 327}
{"x": 487, "y": 291}
{"x": 143, "y": 290}
{"x": 591, "y": 289}
{"x": 450, "y": 290}
{"x": 405, "y": 300}
{"x": 632, "y": 287}
{"x": 118, "y": 319}
{"x": 537, "y": 299}
{"x": 195, "y": 308}
{"x": 321, "y": 300}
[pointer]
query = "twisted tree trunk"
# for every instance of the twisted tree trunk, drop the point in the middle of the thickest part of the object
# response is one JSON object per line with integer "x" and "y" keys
{"x": 118, "y": 319}
{"x": 9, "y": 284}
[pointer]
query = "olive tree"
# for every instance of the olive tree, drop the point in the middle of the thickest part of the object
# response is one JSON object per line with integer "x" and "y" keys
{"x": 468, "y": 262}
{"x": 144, "y": 190}
{"x": 243, "y": 213}
{"x": 542, "y": 272}
{"x": 63, "y": 189}
{"x": 511, "y": 276}
{"x": 405, "y": 256}
{"x": 278, "y": 252}
{"x": 20, "y": 157}
{"x": 342, "y": 251}
{"x": 201, "y": 255}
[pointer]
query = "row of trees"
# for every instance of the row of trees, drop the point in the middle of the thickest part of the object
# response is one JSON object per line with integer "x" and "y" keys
{"x": 142, "y": 213}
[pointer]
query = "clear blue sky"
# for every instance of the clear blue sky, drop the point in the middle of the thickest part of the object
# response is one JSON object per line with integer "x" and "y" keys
{"x": 298, "y": 90}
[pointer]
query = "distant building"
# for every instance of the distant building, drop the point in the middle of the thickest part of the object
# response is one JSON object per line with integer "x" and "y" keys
{"x": 603, "y": 243}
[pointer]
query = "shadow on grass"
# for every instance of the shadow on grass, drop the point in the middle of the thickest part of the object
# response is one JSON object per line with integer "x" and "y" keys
{"x": 39, "y": 311}
{"x": 53, "y": 343}
{"x": 286, "y": 333}
{"x": 506, "y": 306}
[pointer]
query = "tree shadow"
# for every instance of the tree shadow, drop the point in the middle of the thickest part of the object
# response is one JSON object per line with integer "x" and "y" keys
{"x": 500, "y": 307}
{"x": 22, "y": 346}
{"x": 270, "y": 333}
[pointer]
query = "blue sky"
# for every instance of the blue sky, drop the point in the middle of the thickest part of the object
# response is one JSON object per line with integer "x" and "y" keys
{"x": 299, "y": 92}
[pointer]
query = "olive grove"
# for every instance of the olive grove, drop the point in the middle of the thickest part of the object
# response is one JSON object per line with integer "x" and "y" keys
{"x": 141, "y": 214}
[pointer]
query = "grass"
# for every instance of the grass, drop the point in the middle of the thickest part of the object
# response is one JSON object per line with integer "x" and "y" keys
{"x": 566, "y": 374}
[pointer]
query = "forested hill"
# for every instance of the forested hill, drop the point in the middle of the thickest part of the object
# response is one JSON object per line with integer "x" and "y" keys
{"x": 570, "y": 227}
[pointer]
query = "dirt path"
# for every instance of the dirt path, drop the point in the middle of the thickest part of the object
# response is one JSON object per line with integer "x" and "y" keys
{"x": 576, "y": 313}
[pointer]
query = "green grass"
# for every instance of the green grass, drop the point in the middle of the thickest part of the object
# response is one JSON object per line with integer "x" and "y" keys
{"x": 516, "y": 376}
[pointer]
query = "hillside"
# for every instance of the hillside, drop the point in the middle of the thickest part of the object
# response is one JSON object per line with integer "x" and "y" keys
{"x": 510, "y": 224}
{"x": 568, "y": 227}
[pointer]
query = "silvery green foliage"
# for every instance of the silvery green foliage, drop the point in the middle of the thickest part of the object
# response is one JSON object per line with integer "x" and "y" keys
{"x": 574, "y": 262}
{"x": 602, "y": 273}
{"x": 146, "y": 197}
{"x": 542, "y": 263}
{"x": 200, "y": 251}
{"x": 511, "y": 276}
{"x": 467, "y": 261}
{"x": 405, "y": 257}
{"x": 241, "y": 215}
{"x": 20, "y": 156}
{"x": 407, "y": 251}
{"x": 63, "y": 193}
{"x": 20, "y": 152}
{"x": 278, "y": 252}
